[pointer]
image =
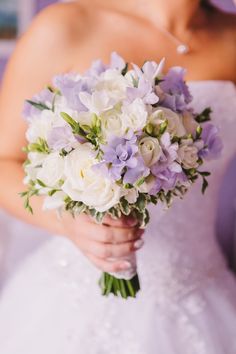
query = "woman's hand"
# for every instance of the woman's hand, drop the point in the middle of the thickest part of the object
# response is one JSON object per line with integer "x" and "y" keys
{"x": 100, "y": 242}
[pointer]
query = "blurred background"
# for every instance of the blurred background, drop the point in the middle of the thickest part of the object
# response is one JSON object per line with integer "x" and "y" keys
{"x": 17, "y": 239}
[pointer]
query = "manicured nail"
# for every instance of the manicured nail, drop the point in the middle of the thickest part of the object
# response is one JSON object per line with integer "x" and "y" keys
{"x": 138, "y": 244}
{"x": 125, "y": 265}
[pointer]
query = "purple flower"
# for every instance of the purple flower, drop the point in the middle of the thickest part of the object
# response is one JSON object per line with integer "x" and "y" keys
{"x": 45, "y": 97}
{"x": 150, "y": 70}
{"x": 136, "y": 172}
{"x": 121, "y": 157}
{"x": 167, "y": 180}
{"x": 70, "y": 86}
{"x": 97, "y": 68}
{"x": 117, "y": 62}
{"x": 61, "y": 138}
{"x": 167, "y": 171}
{"x": 143, "y": 91}
{"x": 212, "y": 142}
{"x": 177, "y": 94}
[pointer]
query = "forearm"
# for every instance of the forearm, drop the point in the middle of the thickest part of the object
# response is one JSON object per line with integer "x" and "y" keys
{"x": 11, "y": 177}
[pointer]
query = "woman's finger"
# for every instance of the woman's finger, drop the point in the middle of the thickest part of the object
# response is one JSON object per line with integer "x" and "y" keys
{"x": 106, "y": 250}
{"x": 109, "y": 266}
{"x": 108, "y": 234}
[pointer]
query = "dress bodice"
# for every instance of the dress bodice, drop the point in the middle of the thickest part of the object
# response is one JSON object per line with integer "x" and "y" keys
{"x": 180, "y": 242}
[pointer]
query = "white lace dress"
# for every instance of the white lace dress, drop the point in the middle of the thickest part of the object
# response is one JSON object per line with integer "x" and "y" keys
{"x": 187, "y": 305}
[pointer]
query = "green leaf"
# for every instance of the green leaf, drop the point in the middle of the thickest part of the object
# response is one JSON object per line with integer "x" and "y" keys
{"x": 124, "y": 71}
{"x": 198, "y": 132}
{"x": 204, "y": 173}
{"x": 41, "y": 183}
{"x": 125, "y": 207}
{"x": 53, "y": 191}
{"x": 149, "y": 129}
{"x": 141, "y": 202}
{"x": 39, "y": 105}
{"x": 204, "y": 185}
{"x": 140, "y": 181}
{"x": 204, "y": 116}
{"x": 154, "y": 199}
{"x": 69, "y": 120}
{"x": 99, "y": 216}
{"x": 163, "y": 127}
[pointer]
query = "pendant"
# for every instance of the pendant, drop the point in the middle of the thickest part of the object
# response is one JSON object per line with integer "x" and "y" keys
{"x": 182, "y": 49}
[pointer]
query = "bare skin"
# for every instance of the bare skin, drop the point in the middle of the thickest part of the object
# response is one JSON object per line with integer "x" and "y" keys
{"x": 69, "y": 36}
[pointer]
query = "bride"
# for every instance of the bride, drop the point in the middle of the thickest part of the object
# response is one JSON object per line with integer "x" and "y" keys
{"x": 187, "y": 305}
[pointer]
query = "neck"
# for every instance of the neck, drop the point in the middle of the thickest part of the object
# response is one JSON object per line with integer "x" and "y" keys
{"x": 174, "y": 15}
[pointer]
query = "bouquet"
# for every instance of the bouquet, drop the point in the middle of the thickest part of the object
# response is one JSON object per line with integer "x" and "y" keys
{"x": 114, "y": 140}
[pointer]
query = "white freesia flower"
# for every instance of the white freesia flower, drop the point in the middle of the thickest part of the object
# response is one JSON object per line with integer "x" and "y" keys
{"x": 55, "y": 201}
{"x": 62, "y": 106}
{"x": 175, "y": 124}
{"x": 31, "y": 169}
{"x": 40, "y": 126}
{"x": 114, "y": 83}
{"x": 52, "y": 169}
{"x": 97, "y": 102}
{"x": 188, "y": 154}
{"x": 134, "y": 115}
{"x": 86, "y": 185}
{"x": 85, "y": 118}
{"x": 150, "y": 150}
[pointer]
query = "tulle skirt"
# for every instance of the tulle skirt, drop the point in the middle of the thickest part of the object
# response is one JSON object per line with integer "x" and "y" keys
{"x": 53, "y": 305}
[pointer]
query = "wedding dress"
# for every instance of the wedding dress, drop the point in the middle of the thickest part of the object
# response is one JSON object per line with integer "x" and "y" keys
{"x": 187, "y": 304}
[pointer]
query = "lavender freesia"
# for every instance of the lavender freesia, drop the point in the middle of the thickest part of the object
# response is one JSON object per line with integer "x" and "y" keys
{"x": 177, "y": 95}
{"x": 212, "y": 142}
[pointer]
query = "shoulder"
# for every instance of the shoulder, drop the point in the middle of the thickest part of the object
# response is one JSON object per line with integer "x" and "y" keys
{"x": 58, "y": 22}
{"x": 52, "y": 37}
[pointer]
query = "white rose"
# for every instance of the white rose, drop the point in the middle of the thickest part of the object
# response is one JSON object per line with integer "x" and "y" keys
{"x": 86, "y": 185}
{"x": 150, "y": 150}
{"x": 189, "y": 123}
{"x": 134, "y": 115}
{"x": 52, "y": 169}
{"x": 188, "y": 154}
{"x": 175, "y": 125}
{"x": 112, "y": 123}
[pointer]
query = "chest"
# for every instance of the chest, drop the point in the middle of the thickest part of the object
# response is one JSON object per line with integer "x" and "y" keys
{"x": 210, "y": 56}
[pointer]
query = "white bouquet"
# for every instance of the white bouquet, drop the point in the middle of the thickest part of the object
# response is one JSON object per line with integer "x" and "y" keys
{"x": 113, "y": 140}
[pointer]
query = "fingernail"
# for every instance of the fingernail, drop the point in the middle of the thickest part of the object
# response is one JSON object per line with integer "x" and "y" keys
{"x": 138, "y": 244}
{"x": 125, "y": 265}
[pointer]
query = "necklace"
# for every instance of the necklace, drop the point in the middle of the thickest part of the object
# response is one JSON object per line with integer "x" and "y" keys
{"x": 181, "y": 47}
